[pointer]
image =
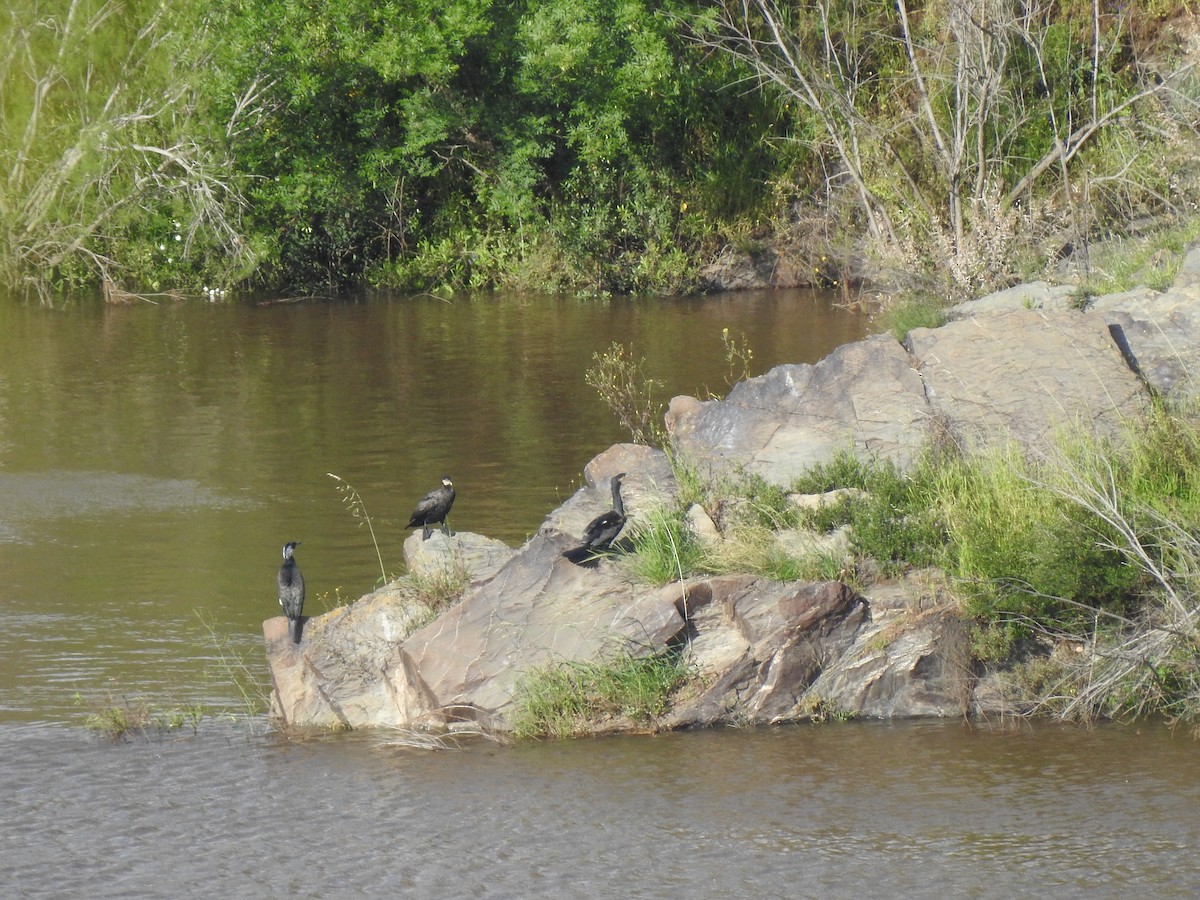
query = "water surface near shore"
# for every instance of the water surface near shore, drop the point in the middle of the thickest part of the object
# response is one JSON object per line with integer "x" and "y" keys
{"x": 842, "y": 810}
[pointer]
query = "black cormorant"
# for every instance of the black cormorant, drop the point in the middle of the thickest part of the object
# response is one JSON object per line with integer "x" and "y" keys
{"x": 602, "y": 530}
{"x": 433, "y": 508}
{"x": 291, "y": 590}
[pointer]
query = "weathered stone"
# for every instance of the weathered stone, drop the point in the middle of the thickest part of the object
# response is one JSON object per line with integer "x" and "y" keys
{"x": 701, "y": 525}
{"x": 650, "y": 483}
{"x": 865, "y": 397}
{"x": 1033, "y": 295}
{"x": 1160, "y": 332}
{"x": 766, "y": 268}
{"x": 538, "y": 610}
{"x": 900, "y": 666}
{"x": 803, "y": 544}
{"x": 343, "y": 674}
{"x": 475, "y": 557}
{"x": 759, "y": 644}
{"x": 825, "y": 498}
{"x": 1025, "y": 375}
{"x": 359, "y": 665}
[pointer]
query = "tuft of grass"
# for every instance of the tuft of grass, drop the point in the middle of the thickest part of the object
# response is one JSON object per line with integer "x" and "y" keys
{"x": 916, "y": 312}
{"x": 758, "y": 550}
{"x": 1138, "y": 657}
{"x": 664, "y": 549}
{"x": 1152, "y": 260}
{"x": 441, "y": 587}
{"x": 129, "y": 717}
{"x": 574, "y": 698}
{"x": 692, "y": 486}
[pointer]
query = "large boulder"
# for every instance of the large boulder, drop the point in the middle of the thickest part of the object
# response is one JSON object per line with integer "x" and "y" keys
{"x": 1024, "y": 375}
{"x": 758, "y": 645}
{"x": 1022, "y": 365}
{"x": 866, "y": 397}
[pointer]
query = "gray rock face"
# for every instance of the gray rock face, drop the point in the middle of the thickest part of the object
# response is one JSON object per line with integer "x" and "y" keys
{"x": 1020, "y": 365}
{"x": 375, "y": 662}
{"x": 1024, "y": 375}
{"x": 1160, "y": 331}
{"x": 866, "y": 397}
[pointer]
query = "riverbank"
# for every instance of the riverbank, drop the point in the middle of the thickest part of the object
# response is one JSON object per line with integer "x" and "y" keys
{"x": 891, "y": 628}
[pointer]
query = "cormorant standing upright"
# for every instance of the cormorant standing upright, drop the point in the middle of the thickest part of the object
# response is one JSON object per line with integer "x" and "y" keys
{"x": 291, "y": 590}
{"x": 602, "y": 530}
{"x": 433, "y": 508}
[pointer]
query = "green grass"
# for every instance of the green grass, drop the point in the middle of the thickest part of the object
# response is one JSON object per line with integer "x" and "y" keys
{"x": 915, "y": 312}
{"x": 128, "y": 717}
{"x": 664, "y": 549}
{"x": 441, "y": 587}
{"x": 1152, "y": 260}
{"x": 574, "y": 698}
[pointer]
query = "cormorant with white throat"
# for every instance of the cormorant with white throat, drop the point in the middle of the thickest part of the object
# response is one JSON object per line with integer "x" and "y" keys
{"x": 433, "y": 508}
{"x": 291, "y": 590}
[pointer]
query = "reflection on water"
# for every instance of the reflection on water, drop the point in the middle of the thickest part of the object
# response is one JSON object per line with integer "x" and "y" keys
{"x": 855, "y": 810}
{"x": 28, "y": 497}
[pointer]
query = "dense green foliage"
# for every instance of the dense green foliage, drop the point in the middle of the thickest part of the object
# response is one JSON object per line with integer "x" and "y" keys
{"x": 464, "y": 143}
{"x": 168, "y": 144}
{"x": 1092, "y": 547}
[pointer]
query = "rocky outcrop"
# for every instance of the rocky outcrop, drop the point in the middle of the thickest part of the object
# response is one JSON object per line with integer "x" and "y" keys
{"x": 866, "y": 397}
{"x": 1020, "y": 365}
{"x": 376, "y": 662}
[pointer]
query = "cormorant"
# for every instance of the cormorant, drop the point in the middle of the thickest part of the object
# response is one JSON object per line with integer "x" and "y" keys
{"x": 291, "y": 590}
{"x": 433, "y": 508}
{"x": 602, "y": 530}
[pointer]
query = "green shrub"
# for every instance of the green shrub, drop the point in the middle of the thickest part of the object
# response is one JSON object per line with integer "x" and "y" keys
{"x": 891, "y": 514}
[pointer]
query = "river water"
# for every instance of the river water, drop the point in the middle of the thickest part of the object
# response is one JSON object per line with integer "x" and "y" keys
{"x": 153, "y": 460}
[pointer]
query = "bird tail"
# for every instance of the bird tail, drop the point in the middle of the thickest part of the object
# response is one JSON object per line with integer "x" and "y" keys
{"x": 295, "y": 626}
{"x": 581, "y": 556}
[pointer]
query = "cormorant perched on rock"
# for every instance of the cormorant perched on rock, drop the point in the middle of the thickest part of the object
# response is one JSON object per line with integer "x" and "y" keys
{"x": 433, "y": 508}
{"x": 602, "y": 530}
{"x": 291, "y": 590}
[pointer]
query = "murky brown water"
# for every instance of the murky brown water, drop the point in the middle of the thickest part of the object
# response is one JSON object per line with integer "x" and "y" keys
{"x": 837, "y": 811}
{"x": 154, "y": 459}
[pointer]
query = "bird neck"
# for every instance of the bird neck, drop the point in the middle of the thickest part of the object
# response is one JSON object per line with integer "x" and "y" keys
{"x": 616, "y": 492}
